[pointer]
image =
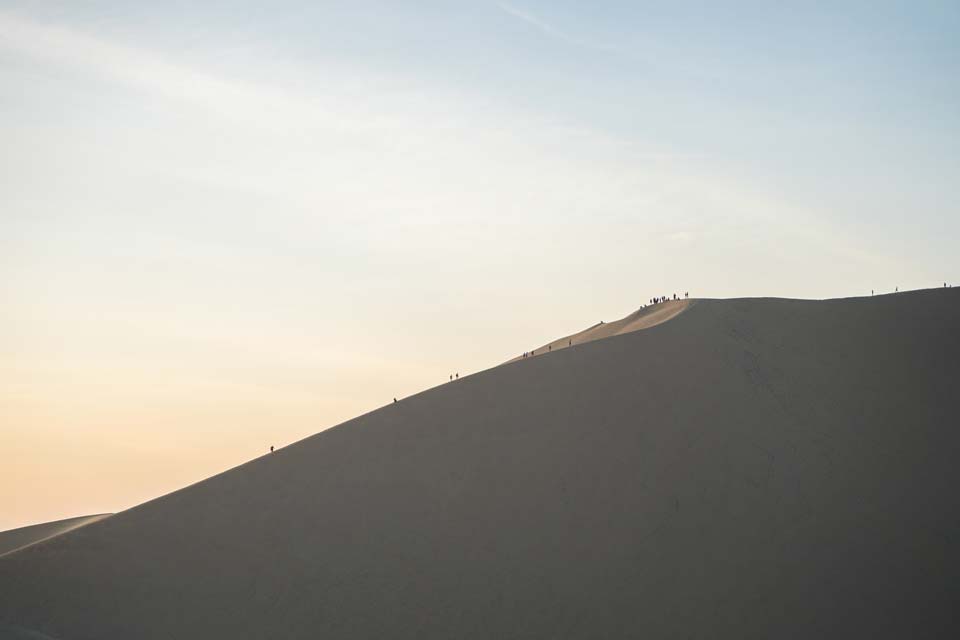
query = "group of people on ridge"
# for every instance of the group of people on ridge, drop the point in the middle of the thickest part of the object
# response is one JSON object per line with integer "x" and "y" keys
{"x": 660, "y": 299}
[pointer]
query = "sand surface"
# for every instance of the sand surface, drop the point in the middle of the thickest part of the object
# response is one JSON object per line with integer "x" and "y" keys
{"x": 752, "y": 468}
{"x": 11, "y": 632}
{"x": 14, "y": 539}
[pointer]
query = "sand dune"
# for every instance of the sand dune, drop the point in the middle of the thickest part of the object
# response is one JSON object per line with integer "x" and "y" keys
{"x": 751, "y": 468}
{"x": 18, "y": 538}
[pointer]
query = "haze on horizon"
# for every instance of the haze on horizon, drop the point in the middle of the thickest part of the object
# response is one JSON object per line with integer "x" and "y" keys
{"x": 230, "y": 226}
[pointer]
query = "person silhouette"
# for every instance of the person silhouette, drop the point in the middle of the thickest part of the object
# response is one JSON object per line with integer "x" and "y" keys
{"x": 458, "y": 376}
{"x": 271, "y": 448}
{"x": 394, "y": 399}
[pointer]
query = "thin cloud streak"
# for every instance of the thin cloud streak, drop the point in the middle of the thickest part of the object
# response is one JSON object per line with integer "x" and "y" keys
{"x": 347, "y": 136}
{"x": 602, "y": 176}
{"x": 529, "y": 18}
{"x": 151, "y": 73}
{"x": 553, "y": 31}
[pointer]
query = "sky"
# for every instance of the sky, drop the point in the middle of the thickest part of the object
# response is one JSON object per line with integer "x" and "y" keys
{"x": 230, "y": 225}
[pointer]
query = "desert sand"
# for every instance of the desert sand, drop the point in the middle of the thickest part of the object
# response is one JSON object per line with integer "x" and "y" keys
{"x": 15, "y": 539}
{"x": 750, "y": 468}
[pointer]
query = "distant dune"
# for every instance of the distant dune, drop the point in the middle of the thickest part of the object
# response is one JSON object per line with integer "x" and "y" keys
{"x": 18, "y": 538}
{"x": 751, "y": 468}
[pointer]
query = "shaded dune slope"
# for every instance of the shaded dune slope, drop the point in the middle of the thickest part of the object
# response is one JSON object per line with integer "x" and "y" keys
{"x": 751, "y": 468}
{"x": 14, "y": 539}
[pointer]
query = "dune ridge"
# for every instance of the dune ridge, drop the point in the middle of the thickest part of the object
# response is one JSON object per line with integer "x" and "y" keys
{"x": 751, "y": 468}
{"x": 642, "y": 318}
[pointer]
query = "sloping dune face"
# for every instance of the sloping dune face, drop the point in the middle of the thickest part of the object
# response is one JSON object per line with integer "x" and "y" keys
{"x": 18, "y": 538}
{"x": 751, "y": 468}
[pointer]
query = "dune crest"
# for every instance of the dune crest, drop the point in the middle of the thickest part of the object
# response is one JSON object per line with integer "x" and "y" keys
{"x": 643, "y": 318}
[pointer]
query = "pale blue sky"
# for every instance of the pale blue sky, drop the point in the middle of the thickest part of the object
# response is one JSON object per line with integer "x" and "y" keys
{"x": 224, "y": 225}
